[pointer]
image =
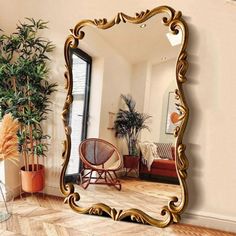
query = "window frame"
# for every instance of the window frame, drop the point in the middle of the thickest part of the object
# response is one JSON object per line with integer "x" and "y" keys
{"x": 88, "y": 59}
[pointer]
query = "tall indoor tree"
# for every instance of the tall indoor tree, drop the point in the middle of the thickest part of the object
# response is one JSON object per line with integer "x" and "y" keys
{"x": 24, "y": 87}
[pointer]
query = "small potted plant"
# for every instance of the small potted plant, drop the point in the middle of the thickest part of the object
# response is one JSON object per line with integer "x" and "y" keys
{"x": 25, "y": 92}
{"x": 128, "y": 125}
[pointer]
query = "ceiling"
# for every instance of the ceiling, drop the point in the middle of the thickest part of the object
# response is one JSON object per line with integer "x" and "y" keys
{"x": 136, "y": 43}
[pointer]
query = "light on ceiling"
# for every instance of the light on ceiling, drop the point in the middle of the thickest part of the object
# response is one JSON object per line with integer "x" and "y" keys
{"x": 143, "y": 26}
{"x": 164, "y": 58}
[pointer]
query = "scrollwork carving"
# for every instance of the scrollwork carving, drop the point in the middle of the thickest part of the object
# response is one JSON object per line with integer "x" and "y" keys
{"x": 182, "y": 67}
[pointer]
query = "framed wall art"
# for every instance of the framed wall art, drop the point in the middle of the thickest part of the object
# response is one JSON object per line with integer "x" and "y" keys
{"x": 173, "y": 114}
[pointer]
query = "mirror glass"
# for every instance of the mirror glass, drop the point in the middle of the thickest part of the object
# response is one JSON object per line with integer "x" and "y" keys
{"x": 138, "y": 60}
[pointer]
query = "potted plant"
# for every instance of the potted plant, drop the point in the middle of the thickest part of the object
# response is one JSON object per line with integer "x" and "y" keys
{"x": 24, "y": 92}
{"x": 128, "y": 125}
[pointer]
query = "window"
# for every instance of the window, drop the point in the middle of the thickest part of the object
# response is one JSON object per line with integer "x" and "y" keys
{"x": 79, "y": 112}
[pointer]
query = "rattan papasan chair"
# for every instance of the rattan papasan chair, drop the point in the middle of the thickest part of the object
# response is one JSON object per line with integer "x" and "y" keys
{"x": 100, "y": 161}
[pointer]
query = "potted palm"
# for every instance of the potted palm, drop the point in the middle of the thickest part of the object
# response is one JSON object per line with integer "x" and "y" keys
{"x": 24, "y": 92}
{"x": 128, "y": 125}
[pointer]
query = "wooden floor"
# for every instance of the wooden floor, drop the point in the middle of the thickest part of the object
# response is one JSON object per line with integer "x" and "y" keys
{"x": 39, "y": 215}
{"x": 135, "y": 193}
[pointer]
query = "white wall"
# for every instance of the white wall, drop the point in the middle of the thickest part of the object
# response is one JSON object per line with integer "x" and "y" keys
{"x": 163, "y": 81}
{"x": 109, "y": 70}
{"x": 150, "y": 85}
{"x": 210, "y": 90}
{"x": 117, "y": 72}
{"x": 139, "y": 84}
{"x": 95, "y": 98}
{"x": 140, "y": 91}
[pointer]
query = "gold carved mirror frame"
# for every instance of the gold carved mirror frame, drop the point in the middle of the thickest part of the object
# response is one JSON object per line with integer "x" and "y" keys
{"x": 175, "y": 207}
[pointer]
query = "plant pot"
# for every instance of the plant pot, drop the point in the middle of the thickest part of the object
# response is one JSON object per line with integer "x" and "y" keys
{"x": 131, "y": 162}
{"x": 32, "y": 181}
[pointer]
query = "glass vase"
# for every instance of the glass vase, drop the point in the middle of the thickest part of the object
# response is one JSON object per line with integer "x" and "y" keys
{"x": 6, "y": 202}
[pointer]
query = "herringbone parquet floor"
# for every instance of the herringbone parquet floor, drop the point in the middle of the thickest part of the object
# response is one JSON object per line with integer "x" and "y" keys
{"x": 148, "y": 196}
{"x": 37, "y": 215}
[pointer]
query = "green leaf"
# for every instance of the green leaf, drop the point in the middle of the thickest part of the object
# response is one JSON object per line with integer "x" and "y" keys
{"x": 24, "y": 56}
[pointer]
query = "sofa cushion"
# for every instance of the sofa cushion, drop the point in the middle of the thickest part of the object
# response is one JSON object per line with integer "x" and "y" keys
{"x": 163, "y": 164}
{"x": 164, "y": 150}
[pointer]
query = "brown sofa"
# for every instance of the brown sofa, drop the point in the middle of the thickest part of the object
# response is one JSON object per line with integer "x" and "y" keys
{"x": 162, "y": 169}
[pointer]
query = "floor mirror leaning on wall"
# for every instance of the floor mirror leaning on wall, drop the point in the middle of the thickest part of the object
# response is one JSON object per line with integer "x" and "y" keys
{"x": 124, "y": 117}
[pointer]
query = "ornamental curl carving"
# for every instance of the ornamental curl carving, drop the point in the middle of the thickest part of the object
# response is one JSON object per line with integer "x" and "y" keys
{"x": 182, "y": 67}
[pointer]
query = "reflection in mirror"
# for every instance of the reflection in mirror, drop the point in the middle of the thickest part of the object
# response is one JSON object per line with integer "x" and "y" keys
{"x": 138, "y": 60}
{"x": 78, "y": 118}
{"x": 124, "y": 149}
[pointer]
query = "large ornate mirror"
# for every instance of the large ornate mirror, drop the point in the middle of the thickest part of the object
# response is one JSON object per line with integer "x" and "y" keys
{"x": 142, "y": 59}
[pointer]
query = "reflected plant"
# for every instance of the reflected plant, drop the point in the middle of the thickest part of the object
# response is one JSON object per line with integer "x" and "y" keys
{"x": 129, "y": 123}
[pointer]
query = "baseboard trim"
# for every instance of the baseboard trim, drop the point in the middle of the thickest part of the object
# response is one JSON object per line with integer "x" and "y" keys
{"x": 209, "y": 221}
{"x": 15, "y": 191}
{"x": 52, "y": 190}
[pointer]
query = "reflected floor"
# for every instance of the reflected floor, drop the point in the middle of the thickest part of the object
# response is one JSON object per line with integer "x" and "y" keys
{"x": 145, "y": 195}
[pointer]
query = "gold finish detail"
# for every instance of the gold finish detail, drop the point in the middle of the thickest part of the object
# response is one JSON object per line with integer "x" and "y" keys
{"x": 171, "y": 212}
